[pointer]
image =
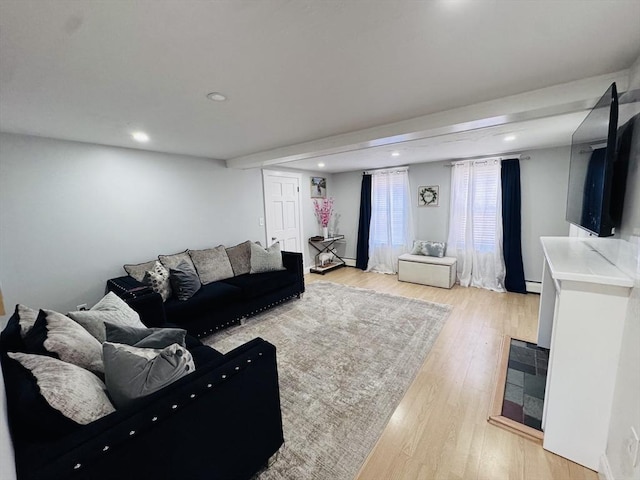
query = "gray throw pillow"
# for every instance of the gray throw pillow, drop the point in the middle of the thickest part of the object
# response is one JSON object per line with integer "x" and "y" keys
{"x": 111, "y": 308}
{"x": 266, "y": 260}
{"x": 184, "y": 281}
{"x": 434, "y": 249}
{"x": 240, "y": 258}
{"x": 76, "y": 393}
{"x": 172, "y": 261}
{"x": 138, "y": 270}
{"x": 57, "y": 334}
{"x": 145, "y": 337}
{"x": 132, "y": 373}
{"x": 212, "y": 264}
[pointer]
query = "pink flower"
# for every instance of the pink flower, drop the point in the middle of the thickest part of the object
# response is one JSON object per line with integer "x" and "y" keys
{"x": 323, "y": 210}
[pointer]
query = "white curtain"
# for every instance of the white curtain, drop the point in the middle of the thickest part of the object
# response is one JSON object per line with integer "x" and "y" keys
{"x": 475, "y": 224}
{"x": 391, "y": 228}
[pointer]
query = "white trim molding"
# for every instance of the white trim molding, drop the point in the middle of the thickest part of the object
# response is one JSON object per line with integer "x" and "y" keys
{"x": 604, "y": 469}
{"x": 533, "y": 287}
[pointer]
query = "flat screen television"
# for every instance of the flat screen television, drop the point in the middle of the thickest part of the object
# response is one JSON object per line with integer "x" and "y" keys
{"x": 597, "y": 173}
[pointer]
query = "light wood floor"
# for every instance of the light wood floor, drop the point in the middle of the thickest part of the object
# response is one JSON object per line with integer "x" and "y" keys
{"x": 440, "y": 428}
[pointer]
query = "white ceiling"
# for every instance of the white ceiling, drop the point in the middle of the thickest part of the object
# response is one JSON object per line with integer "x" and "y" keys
{"x": 298, "y": 71}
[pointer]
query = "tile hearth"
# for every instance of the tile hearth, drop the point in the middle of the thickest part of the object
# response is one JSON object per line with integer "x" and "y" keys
{"x": 525, "y": 383}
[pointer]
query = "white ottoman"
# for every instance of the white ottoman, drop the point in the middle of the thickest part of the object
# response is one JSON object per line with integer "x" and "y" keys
{"x": 432, "y": 271}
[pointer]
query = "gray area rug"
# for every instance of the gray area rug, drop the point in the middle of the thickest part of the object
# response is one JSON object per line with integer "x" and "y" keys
{"x": 346, "y": 356}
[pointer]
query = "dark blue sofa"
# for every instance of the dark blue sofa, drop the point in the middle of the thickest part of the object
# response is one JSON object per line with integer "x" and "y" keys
{"x": 218, "y": 304}
{"x": 221, "y": 422}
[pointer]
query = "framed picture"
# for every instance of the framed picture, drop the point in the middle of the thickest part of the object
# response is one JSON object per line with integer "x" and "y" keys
{"x": 429, "y": 196}
{"x": 318, "y": 187}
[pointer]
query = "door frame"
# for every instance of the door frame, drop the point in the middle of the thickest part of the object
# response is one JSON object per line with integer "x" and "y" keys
{"x": 283, "y": 173}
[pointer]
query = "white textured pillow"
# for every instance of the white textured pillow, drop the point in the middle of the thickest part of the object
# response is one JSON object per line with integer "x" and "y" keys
{"x": 110, "y": 309}
{"x": 26, "y": 318}
{"x": 159, "y": 279}
{"x": 266, "y": 260}
{"x": 132, "y": 372}
{"x": 76, "y": 393}
{"x": 56, "y": 333}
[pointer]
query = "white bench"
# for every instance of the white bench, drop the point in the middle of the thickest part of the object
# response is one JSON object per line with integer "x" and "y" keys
{"x": 432, "y": 271}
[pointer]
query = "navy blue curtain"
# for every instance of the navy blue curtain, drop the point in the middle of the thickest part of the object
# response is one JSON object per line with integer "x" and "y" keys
{"x": 362, "y": 252}
{"x": 512, "y": 226}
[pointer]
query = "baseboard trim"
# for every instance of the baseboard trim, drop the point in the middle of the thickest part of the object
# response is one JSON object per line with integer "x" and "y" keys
{"x": 604, "y": 469}
{"x": 350, "y": 262}
{"x": 533, "y": 287}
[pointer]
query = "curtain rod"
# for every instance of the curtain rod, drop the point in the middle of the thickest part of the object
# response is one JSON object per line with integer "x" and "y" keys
{"x": 459, "y": 161}
{"x": 387, "y": 170}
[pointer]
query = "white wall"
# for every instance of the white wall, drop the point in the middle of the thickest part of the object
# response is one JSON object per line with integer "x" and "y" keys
{"x": 431, "y": 223}
{"x": 625, "y": 411}
{"x": 346, "y": 193}
{"x": 544, "y": 179}
{"x": 71, "y": 214}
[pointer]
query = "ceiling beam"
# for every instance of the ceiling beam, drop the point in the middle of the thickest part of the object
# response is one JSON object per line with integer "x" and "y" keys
{"x": 544, "y": 103}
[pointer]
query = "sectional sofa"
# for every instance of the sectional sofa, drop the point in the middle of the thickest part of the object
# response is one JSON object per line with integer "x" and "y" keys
{"x": 232, "y": 283}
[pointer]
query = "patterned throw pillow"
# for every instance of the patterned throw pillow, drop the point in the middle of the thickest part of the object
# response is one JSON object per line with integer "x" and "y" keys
{"x": 59, "y": 336}
{"x": 266, "y": 260}
{"x": 137, "y": 271}
{"x": 111, "y": 308}
{"x": 73, "y": 391}
{"x": 158, "y": 279}
{"x": 434, "y": 249}
{"x": 417, "y": 247}
{"x": 212, "y": 264}
{"x": 132, "y": 372}
{"x": 184, "y": 281}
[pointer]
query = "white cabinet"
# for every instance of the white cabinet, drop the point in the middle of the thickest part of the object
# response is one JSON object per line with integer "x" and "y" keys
{"x": 582, "y": 311}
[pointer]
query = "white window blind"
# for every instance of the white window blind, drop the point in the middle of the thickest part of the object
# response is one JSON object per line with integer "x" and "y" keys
{"x": 389, "y": 214}
{"x": 391, "y": 227}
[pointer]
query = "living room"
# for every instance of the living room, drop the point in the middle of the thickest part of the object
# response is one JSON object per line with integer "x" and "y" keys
{"x": 75, "y": 204}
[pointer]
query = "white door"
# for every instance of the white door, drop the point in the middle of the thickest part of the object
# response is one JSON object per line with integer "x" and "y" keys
{"x": 282, "y": 209}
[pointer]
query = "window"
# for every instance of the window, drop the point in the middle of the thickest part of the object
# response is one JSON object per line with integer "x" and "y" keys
{"x": 475, "y": 224}
{"x": 391, "y": 226}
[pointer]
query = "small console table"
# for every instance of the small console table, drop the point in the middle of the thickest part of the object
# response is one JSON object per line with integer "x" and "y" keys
{"x": 325, "y": 246}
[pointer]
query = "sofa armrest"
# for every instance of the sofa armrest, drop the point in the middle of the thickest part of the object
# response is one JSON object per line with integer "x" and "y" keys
{"x": 221, "y": 422}
{"x": 141, "y": 298}
{"x": 292, "y": 261}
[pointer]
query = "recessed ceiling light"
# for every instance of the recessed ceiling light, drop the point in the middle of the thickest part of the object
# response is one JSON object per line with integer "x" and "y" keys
{"x": 395, "y": 154}
{"x": 321, "y": 164}
{"x": 140, "y": 137}
{"x": 509, "y": 138}
{"x": 216, "y": 96}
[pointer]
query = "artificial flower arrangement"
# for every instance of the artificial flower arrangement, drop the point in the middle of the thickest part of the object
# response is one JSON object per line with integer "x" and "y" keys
{"x": 323, "y": 211}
